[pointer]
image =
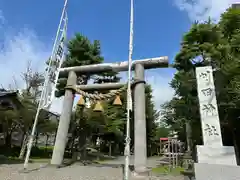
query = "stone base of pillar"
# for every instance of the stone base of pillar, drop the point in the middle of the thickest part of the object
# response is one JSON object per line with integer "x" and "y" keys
{"x": 141, "y": 173}
{"x": 54, "y": 166}
{"x": 216, "y": 155}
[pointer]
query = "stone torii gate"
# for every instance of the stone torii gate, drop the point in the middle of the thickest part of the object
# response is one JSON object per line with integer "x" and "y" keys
{"x": 140, "y": 147}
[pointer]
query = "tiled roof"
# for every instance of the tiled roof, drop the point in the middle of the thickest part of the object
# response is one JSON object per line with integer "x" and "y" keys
{"x": 3, "y": 93}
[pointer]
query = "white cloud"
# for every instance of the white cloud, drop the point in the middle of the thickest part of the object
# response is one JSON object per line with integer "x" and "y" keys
{"x": 17, "y": 48}
{"x": 201, "y": 10}
{"x": 162, "y": 92}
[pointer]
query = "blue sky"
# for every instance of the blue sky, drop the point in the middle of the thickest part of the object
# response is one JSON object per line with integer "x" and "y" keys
{"x": 158, "y": 25}
{"x": 27, "y": 30}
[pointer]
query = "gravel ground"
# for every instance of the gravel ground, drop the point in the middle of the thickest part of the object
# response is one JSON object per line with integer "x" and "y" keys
{"x": 74, "y": 172}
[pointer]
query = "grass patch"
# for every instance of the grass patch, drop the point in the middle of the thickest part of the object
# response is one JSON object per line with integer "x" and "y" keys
{"x": 31, "y": 160}
{"x": 100, "y": 161}
{"x": 40, "y": 160}
{"x": 166, "y": 170}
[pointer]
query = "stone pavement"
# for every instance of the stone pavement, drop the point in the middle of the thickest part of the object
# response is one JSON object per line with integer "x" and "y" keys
{"x": 151, "y": 161}
{"x": 38, "y": 171}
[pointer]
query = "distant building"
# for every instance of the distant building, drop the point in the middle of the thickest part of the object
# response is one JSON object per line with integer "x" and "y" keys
{"x": 236, "y": 5}
{"x": 9, "y": 101}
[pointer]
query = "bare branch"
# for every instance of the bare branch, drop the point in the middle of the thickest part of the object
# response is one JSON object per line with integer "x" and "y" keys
{"x": 33, "y": 80}
{"x": 15, "y": 83}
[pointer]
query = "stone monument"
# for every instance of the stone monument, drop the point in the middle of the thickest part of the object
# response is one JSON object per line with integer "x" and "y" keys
{"x": 213, "y": 158}
{"x": 212, "y": 151}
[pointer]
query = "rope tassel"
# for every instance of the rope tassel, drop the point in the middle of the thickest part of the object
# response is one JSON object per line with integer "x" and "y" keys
{"x": 98, "y": 107}
{"x": 81, "y": 101}
{"x": 117, "y": 101}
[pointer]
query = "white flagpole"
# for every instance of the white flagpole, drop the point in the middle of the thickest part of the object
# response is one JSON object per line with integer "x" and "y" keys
{"x": 30, "y": 143}
{"x": 129, "y": 97}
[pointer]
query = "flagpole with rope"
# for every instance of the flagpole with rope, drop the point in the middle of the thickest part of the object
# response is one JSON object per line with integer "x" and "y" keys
{"x": 40, "y": 105}
{"x": 129, "y": 96}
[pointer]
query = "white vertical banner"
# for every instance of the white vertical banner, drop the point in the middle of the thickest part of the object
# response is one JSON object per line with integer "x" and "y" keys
{"x": 43, "y": 102}
{"x": 59, "y": 57}
{"x": 211, "y": 129}
{"x": 56, "y": 63}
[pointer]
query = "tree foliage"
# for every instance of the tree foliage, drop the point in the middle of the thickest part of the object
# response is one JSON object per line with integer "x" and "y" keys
{"x": 204, "y": 44}
{"x": 20, "y": 120}
{"x": 81, "y": 51}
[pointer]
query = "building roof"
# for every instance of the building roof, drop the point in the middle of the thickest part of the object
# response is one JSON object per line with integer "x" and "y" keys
{"x": 4, "y": 93}
{"x": 163, "y": 139}
{"x": 13, "y": 95}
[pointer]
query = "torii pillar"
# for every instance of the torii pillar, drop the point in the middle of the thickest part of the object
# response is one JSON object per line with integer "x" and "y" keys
{"x": 140, "y": 143}
{"x": 64, "y": 122}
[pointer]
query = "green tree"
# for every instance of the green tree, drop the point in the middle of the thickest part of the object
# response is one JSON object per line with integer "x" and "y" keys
{"x": 152, "y": 116}
{"x": 110, "y": 125}
{"x": 162, "y": 131}
{"x": 81, "y": 51}
{"x": 197, "y": 49}
{"x": 207, "y": 44}
{"x": 9, "y": 122}
{"x": 84, "y": 52}
{"x": 29, "y": 98}
{"x": 229, "y": 80}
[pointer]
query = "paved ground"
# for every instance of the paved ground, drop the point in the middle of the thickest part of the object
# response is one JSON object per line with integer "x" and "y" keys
{"x": 75, "y": 172}
{"x": 151, "y": 162}
{"x": 39, "y": 171}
